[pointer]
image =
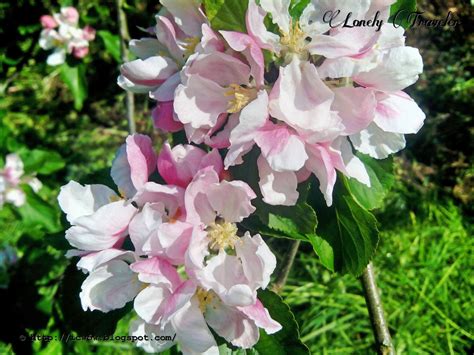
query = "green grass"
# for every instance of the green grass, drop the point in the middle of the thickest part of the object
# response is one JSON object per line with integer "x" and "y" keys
{"x": 424, "y": 270}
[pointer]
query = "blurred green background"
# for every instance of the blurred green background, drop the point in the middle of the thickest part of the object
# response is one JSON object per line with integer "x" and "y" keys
{"x": 425, "y": 258}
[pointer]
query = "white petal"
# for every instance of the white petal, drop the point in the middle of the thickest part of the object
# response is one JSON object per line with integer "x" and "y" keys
{"x": 109, "y": 287}
{"x": 77, "y": 200}
{"x": 280, "y": 12}
{"x": 378, "y": 143}
{"x": 278, "y": 188}
{"x": 398, "y": 113}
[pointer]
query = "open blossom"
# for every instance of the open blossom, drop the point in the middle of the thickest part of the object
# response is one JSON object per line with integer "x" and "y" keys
{"x": 62, "y": 34}
{"x": 181, "y": 31}
{"x": 184, "y": 224}
{"x": 337, "y": 90}
{"x": 11, "y": 177}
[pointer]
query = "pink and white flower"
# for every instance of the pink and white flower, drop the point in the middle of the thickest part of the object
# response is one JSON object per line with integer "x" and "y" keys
{"x": 62, "y": 34}
{"x": 11, "y": 177}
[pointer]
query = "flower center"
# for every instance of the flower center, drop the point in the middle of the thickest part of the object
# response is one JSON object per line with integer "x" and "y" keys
{"x": 222, "y": 235}
{"x": 190, "y": 45}
{"x": 295, "y": 40}
{"x": 204, "y": 297}
{"x": 241, "y": 96}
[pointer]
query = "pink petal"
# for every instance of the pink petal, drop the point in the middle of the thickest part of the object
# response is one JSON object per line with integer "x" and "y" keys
{"x": 150, "y": 72}
{"x": 200, "y": 102}
{"x": 237, "y": 202}
{"x": 283, "y": 149}
{"x": 302, "y": 100}
{"x": 163, "y": 118}
{"x": 256, "y": 28}
{"x": 259, "y": 314}
{"x": 278, "y": 188}
{"x": 398, "y": 113}
{"x": 133, "y": 164}
{"x": 156, "y": 271}
{"x": 48, "y": 22}
{"x": 356, "y": 107}
{"x": 244, "y": 43}
{"x": 166, "y": 35}
{"x": 232, "y": 324}
{"x": 320, "y": 163}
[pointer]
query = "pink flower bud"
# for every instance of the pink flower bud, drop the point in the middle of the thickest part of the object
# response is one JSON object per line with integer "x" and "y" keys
{"x": 89, "y": 33}
{"x": 70, "y": 14}
{"x": 48, "y": 22}
{"x": 80, "y": 52}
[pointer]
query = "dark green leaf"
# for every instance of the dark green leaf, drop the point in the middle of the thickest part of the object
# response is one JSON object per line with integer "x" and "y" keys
{"x": 287, "y": 340}
{"x": 112, "y": 44}
{"x": 42, "y": 162}
{"x": 227, "y": 15}
{"x": 297, "y": 7}
{"x": 400, "y": 12}
{"x": 349, "y": 229}
{"x": 294, "y": 222}
{"x": 381, "y": 180}
{"x": 74, "y": 77}
{"x": 38, "y": 213}
{"x": 323, "y": 249}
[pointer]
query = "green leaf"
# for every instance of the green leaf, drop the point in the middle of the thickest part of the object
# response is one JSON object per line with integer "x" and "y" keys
{"x": 38, "y": 213}
{"x": 112, "y": 44}
{"x": 297, "y": 7}
{"x": 294, "y": 222}
{"x": 400, "y": 12}
{"x": 323, "y": 249}
{"x": 227, "y": 15}
{"x": 381, "y": 180}
{"x": 39, "y": 161}
{"x": 75, "y": 79}
{"x": 349, "y": 229}
{"x": 287, "y": 340}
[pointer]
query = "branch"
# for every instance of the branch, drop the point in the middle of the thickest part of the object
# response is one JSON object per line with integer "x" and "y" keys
{"x": 125, "y": 36}
{"x": 374, "y": 304}
{"x": 287, "y": 263}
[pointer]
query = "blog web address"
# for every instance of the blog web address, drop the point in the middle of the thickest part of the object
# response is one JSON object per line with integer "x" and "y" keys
{"x": 100, "y": 338}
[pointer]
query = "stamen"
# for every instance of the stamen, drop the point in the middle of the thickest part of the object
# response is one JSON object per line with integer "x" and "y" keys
{"x": 295, "y": 40}
{"x": 205, "y": 298}
{"x": 190, "y": 45}
{"x": 222, "y": 235}
{"x": 241, "y": 97}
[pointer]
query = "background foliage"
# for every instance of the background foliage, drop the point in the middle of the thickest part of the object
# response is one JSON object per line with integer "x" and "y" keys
{"x": 425, "y": 249}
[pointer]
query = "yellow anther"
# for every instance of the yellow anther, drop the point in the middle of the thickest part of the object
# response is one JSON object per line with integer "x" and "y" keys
{"x": 222, "y": 235}
{"x": 295, "y": 40}
{"x": 116, "y": 198}
{"x": 190, "y": 45}
{"x": 204, "y": 297}
{"x": 241, "y": 96}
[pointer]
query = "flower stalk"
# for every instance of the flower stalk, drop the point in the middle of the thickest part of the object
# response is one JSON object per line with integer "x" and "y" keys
{"x": 125, "y": 36}
{"x": 285, "y": 268}
{"x": 377, "y": 317}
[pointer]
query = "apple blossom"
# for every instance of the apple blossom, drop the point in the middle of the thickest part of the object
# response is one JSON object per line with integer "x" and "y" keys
{"x": 62, "y": 34}
{"x": 11, "y": 177}
{"x": 179, "y": 270}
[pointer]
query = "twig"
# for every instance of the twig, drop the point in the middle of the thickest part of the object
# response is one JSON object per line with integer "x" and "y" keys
{"x": 285, "y": 268}
{"x": 124, "y": 37}
{"x": 374, "y": 304}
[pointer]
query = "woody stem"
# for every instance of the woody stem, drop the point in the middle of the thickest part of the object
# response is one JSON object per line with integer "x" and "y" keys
{"x": 124, "y": 36}
{"x": 377, "y": 317}
{"x": 287, "y": 263}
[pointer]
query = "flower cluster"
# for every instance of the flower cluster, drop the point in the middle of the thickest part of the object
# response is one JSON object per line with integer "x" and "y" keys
{"x": 173, "y": 247}
{"x": 61, "y": 33}
{"x": 11, "y": 177}
{"x": 325, "y": 92}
